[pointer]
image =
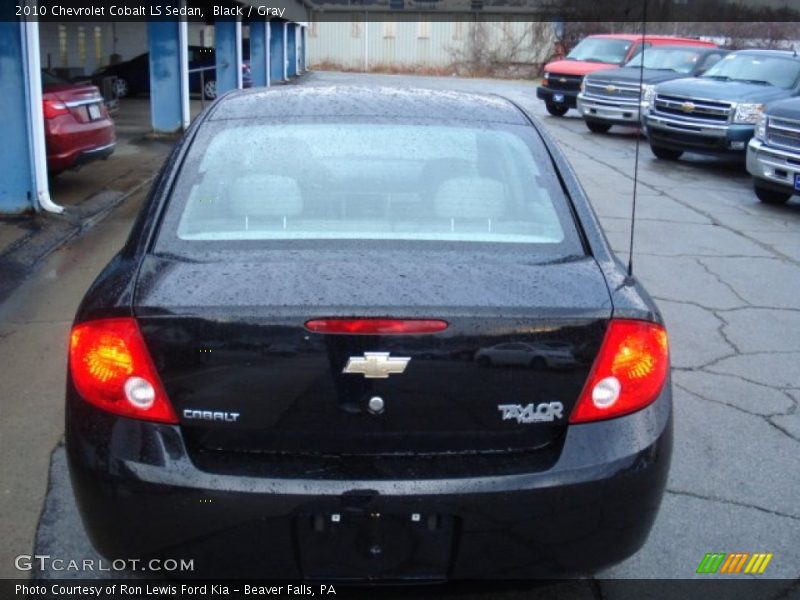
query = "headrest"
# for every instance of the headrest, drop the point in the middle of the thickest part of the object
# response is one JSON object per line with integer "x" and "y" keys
{"x": 266, "y": 196}
{"x": 470, "y": 198}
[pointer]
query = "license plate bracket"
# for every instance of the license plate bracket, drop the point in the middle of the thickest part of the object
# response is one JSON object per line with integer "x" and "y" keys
{"x": 94, "y": 112}
{"x": 369, "y": 544}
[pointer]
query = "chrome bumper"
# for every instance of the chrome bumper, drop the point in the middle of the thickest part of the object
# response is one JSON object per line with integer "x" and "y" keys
{"x": 771, "y": 164}
{"x": 703, "y": 129}
{"x": 609, "y": 111}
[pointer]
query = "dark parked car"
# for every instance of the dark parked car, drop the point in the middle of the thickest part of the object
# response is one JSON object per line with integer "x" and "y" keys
{"x": 362, "y": 237}
{"x": 133, "y": 76}
{"x": 716, "y": 112}
{"x": 773, "y": 155}
{"x": 621, "y": 96}
{"x": 77, "y": 127}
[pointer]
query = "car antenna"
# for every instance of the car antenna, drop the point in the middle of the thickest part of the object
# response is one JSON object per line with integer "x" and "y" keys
{"x": 638, "y": 140}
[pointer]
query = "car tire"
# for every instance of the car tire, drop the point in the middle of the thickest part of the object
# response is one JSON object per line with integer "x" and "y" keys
{"x": 770, "y": 196}
{"x": 210, "y": 89}
{"x": 597, "y": 126}
{"x": 665, "y": 153}
{"x": 555, "y": 109}
{"x": 121, "y": 88}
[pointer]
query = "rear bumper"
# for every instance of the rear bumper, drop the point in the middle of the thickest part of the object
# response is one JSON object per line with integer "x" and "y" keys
{"x": 71, "y": 144}
{"x": 717, "y": 139}
{"x": 774, "y": 168}
{"x": 140, "y": 495}
{"x": 547, "y": 94}
{"x": 610, "y": 112}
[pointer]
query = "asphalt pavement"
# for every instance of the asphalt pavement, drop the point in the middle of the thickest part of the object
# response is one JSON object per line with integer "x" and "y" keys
{"x": 724, "y": 269}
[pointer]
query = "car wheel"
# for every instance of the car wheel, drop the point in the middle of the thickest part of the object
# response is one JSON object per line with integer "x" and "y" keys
{"x": 556, "y": 110}
{"x": 121, "y": 88}
{"x": 538, "y": 364}
{"x": 665, "y": 153}
{"x": 597, "y": 126}
{"x": 210, "y": 89}
{"x": 768, "y": 196}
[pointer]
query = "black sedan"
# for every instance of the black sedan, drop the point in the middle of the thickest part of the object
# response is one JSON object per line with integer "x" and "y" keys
{"x": 277, "y": 375}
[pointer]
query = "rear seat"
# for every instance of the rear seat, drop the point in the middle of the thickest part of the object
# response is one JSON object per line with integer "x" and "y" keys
{"x": 471, "y": 202}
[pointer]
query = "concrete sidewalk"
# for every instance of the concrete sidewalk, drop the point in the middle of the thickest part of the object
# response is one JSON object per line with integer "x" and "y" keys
{"x": 34, "y": 327}
{"x": 41, "y": 283}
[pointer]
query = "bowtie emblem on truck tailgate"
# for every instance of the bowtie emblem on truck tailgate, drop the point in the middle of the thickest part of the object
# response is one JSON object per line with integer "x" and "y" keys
{"x": 376, "y": 365}
{"x": 532, "y": 413}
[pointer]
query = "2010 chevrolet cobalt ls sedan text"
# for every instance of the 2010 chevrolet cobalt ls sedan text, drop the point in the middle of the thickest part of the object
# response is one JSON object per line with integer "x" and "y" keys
{"x": 278, "y": 375}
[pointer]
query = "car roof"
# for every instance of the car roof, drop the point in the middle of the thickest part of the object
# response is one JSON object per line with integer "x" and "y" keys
{"x": 638, "y": 36}
{"x": 680, "y": 46}
{"x": 358, "y": 101}
{"x": 766, "y": 52}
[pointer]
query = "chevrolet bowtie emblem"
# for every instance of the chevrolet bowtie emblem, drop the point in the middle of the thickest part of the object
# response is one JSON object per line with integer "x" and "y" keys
{"x": 687, "y": 107}
{"x": 611, "y": 88}
{"x": 376, "y": 365}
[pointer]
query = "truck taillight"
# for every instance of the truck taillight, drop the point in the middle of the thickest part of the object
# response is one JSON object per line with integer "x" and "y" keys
{"x": 628, "y": 373}
{"x": 112, "y": 369}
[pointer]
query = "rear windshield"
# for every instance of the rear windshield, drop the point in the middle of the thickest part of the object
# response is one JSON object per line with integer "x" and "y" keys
{"x": 267, "y": 183}
{"x": 605, "y": 50}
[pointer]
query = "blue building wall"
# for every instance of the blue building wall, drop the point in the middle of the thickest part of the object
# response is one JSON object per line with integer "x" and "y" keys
{"x": 276, "y": 50}
{"x": 227, "y": 65}
{"x": 17, "y": 181}
{"x": 291, "y": 46}
{"x": 259, "y": 53}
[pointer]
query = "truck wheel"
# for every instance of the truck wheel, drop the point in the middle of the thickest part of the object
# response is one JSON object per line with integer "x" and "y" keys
{"x": 556, "y": 109}
{"x": 768, "y": 196}
{"x": 597, "y": 126}
{"x": 665, "y": 153}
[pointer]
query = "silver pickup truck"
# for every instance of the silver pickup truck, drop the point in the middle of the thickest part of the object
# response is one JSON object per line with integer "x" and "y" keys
{"x": 773, "y": 155}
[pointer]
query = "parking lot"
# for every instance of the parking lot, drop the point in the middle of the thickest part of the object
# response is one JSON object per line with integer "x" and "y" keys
{"x": 723, "y": 268}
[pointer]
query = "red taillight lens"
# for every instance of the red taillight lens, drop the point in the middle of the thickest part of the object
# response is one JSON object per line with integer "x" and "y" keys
{"x": 628, "y": 374}
{"x": 111, "y": 369}
{"x": 54, "y": 108}
{"x": 376, "y": 326}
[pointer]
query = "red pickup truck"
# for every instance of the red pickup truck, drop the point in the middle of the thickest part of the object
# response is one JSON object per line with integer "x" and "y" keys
{"x": 562, "y": 78}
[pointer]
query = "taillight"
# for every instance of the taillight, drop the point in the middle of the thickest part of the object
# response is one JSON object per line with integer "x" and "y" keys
{"x": 376, "y": 326}
{"x": 628, "y": 373}
{"x": 53, "y": 108}
{"x": 112, "y": 369}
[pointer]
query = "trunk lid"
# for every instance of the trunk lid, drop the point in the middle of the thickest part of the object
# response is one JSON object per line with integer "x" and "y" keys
{"x": 246, "y": 376}
{"x": 83, "y": 100}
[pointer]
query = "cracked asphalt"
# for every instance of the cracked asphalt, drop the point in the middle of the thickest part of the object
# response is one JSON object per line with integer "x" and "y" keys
{"x": 725, "y": 271}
